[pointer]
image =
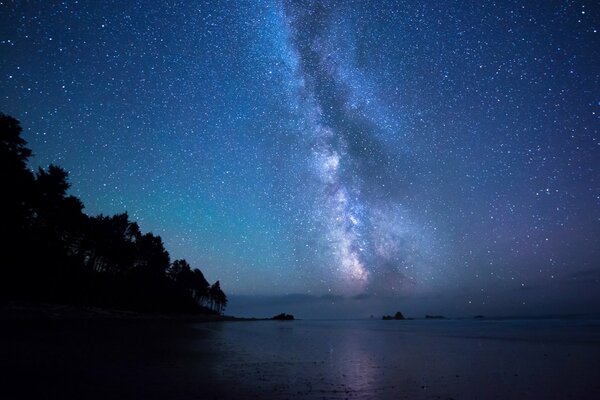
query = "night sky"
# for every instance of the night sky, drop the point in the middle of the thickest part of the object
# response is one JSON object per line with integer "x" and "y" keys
{"x": 354, "y": 157}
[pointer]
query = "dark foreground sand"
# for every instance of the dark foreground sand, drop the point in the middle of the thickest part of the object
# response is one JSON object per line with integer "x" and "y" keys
{"x": 120, "y": 358}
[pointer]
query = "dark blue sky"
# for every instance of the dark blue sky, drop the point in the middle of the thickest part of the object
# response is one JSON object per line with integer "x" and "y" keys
{"x": 433, "y": 154}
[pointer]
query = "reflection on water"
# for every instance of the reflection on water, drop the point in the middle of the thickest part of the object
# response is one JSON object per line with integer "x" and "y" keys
{"x": 158, "y": 359}
{"x": 413, "y": 359}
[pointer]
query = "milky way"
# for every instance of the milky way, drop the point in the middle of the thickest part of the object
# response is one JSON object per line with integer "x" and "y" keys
{"x": 430, "y": 151}
{"x": 360, "y": 241}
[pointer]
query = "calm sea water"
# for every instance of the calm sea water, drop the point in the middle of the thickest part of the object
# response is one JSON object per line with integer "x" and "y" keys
{"x": 439, "y": 359}
{"x": 369, "y": 359}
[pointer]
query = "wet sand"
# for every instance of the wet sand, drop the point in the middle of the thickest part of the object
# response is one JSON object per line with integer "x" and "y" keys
{"x": 170, "y": 359}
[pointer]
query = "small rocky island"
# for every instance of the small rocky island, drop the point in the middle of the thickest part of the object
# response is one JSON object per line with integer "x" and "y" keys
{"x": 283, "y": 317}
{"x": 434, "y": 317}
{"x": 397, "y": 316}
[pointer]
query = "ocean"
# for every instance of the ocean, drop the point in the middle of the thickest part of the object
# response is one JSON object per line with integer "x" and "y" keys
{"x": 414, "y": 359}
{"x": 306, "y": 359}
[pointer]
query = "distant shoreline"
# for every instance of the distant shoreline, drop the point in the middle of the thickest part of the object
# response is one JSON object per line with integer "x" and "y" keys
{"x": 31, "y": 311}
{"x": 27, "y": 311}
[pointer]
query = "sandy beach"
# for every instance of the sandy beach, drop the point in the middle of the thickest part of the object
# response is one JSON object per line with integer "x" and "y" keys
{"x": 368, "y": 359}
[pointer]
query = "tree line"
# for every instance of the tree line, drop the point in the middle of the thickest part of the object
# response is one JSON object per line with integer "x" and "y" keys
{"x": 51, "y": 251}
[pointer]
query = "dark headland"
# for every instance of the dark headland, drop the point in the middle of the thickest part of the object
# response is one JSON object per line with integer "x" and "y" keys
{"x": 53, "y": 252}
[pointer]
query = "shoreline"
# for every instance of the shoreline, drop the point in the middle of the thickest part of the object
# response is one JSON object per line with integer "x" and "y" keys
{"x": 31, "y": 311}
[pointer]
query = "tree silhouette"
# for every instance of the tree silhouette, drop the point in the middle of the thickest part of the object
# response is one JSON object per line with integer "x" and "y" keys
{"x": 12, "y": 145}
{"x": 192, "y": 281}
{"x": 51, "y": 251}
{"x": 200, "y": 287}
{"x": 16, "y": 183}
{"x": 152, "y": 256}
{"x": 218, "y": 300}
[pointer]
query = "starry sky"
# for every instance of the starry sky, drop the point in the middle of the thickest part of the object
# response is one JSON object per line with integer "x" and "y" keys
{"x": 335, "y": 156}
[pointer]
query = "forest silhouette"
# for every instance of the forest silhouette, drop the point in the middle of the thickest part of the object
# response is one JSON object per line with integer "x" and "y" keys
{"x": 51, "y": 251}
